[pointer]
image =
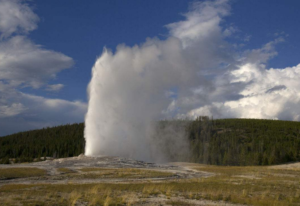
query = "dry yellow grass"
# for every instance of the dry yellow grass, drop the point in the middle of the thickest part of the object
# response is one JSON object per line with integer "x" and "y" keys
{"x": 73, "y": 197}
{"x": 244, "y": 185}
{"x": 95, "y": 169}
{"x": 255, "y": 185}
{"x": 10, "y": 173}
{"x": 93, "y": 173}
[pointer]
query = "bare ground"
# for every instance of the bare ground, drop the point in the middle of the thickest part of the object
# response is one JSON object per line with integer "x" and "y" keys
{"x": 71, "y": 170}
{"x": 84, "y": 181}
{"x": 77, "y": 163}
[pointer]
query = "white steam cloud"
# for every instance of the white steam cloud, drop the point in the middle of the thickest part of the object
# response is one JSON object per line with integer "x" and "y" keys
{"x": 193, "y": 72}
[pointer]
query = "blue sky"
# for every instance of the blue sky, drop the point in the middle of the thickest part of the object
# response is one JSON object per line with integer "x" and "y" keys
{"x": 79, "y": 31}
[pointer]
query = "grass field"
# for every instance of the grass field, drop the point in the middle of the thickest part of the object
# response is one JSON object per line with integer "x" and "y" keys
{"x": 11, "y": 173}
{"x": 240, "y": 185}
{"x": 121, "y": 173}
{"x": 253, "y": 185}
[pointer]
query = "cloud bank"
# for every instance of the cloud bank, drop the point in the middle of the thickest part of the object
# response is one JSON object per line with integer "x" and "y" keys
{"x": 24, "y": 64}
{"x": 195, "y": 71}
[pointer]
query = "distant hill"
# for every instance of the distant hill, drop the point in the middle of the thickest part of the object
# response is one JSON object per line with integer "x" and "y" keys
{"x": 218, "y": 142}
{"x": 59, "y": 141}
{"x": 244, "y": 141}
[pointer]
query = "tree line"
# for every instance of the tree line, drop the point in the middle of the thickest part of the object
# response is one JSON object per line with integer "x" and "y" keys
{"x": 243, "y": 141}
{"x": 216, "y": 142}
{"x": 56, "y": 142}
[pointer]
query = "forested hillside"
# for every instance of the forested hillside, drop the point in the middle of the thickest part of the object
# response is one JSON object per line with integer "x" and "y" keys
{"x": 219, "y": 142}
{"x": 60, "y": 141}
{"x": 244, "y": 141}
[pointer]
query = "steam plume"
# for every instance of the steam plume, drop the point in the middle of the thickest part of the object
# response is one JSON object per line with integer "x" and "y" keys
{"x": 192, "y": 72}
{"x": 133, "y": 87}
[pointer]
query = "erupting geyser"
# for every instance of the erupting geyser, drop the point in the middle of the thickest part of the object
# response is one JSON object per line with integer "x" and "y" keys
{"x": 192, "y": 72}
{"x": 136, "y": 86}
{"x": 128, "y": 93}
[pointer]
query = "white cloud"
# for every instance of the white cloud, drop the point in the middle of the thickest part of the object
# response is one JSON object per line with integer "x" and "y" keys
{"x": 23, "y": 62}
{"x": 16, "y": 17}
{"x": 229, "y": 31}
{"x": 264, "y": 93}
{"x": 54, "y": 87}
{"x": 201, "y": 22}
{"x": 53, "y": 109}
{"x": 11, "y": 110}
{"x": 26, "y": 64}
{"x": 33, "y": 112}
{"x": 247, "y": 38}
